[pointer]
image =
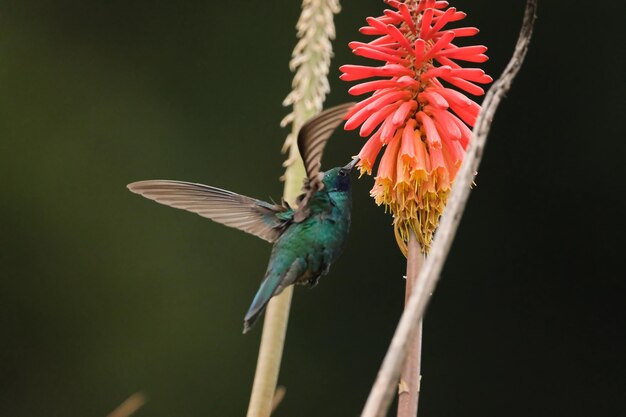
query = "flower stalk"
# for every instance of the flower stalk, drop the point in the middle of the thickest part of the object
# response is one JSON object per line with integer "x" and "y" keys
{"x": 409, "y": 387}
{"x": 310, "y": 62}
{"x": 418, "y": 117}
{"x": 382, "y": 391}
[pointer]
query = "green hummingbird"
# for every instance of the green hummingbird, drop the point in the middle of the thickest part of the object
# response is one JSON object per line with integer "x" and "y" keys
{"x": 307, "y": 239}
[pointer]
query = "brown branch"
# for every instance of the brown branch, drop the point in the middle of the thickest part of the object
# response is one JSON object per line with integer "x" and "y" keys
{"x": 382, "y": 392}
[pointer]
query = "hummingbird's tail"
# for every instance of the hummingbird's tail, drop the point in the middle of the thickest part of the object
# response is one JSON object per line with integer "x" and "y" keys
{"x": 273, "y": 284}
{"x": 269, "y": 287}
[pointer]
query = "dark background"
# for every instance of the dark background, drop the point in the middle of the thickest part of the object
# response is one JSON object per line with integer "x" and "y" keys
{"x": 105, "y": 294}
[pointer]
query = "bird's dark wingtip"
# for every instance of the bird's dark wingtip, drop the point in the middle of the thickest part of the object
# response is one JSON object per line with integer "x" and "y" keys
{"x": 251, "y": 318}
{"x": 246, "y": 327}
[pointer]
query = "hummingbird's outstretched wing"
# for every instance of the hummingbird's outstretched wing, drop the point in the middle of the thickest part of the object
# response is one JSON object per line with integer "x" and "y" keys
{"x": 312, "y": 139}
{"x": 256, "y": 217}
{"x": 313, "y": 136}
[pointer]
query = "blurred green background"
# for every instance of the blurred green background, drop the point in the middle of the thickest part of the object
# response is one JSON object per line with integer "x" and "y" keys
{"x": 105, "y": 294}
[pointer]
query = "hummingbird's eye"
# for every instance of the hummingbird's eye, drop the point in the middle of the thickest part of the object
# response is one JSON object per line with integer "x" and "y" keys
{"x": 342, "y": 172}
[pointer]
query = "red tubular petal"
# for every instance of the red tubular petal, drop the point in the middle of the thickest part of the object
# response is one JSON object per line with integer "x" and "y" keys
{"x": 447, "y": 61}
{"x": 353, "y": 69}
{"x": 369, "y": 152}
{"x": 403, "y": 112}
{"x": 435, "y": 83}
{"x": 457, "y": 16}
{"x": 375, "y": 119}
{"x": 452, "y": 164}
{"x": 390, "y": 51}
{"x": 432, "y": 136}
{"x": 358, "y": 72}
{"x": 421, "y": 161}
{"x": 443, "y": 42}
{"x": 387, "y": 167}
{"x": 436, "y": 72}
{"x": 427, "y": 18}
{"x": 433, "y": 98}
{"x": 452, "y": 158}
{"x": 387, "y": 129}
{"x": 368, "y": 30}
{"x": 407, "y": 149}
{"x": 371, "y": 86}
{"x": 436, "y": 159}
{"x": 395, "y": 70}
{"x": 471, "y": 74}
{"x": 377, "y": 24}
{"x": 462, "y": 32}
{"x": 406, "y": 15}
{"x": 455, "y": 98}
{"x": 428, "y": 4}
{"x": 390, "y": 96}
{"x": 383, "y": 40}
{"x": 356, "y": 119}
{"x": 442, "y": 20}
{"x": 466, "y": 133}
{"x": 465, "y": 53}
{"x": 400, "y": 38}
{"x": 467, "y": 114}
{"x": 464, "y": 85}
{"x": 381, "y": 56}
{"x": 407, "y": 82}
{"x": 446, "y": 125}
{"x": 395, "y": 17}
{"x": 454, "y": 154}
{"x": 420, "y": 46}
{"x": 367, "y": 107}
{"x": 387, "y": 20}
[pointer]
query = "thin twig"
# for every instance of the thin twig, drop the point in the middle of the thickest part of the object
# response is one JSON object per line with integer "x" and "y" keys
{"x": 382, "y": 392}
{"x": 279, "y": 396}
{"x": 409, "y": 388}
{"x": 129, "y": 406}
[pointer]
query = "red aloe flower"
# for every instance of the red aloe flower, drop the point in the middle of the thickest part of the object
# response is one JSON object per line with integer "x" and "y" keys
{"x": 413, "y": 112}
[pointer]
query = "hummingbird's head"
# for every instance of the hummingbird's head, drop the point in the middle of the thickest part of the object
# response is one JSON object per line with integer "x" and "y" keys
{"x": 338, "y": 179}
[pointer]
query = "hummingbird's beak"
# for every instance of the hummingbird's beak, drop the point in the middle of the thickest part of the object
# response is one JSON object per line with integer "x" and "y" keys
{"x": 352, "y": 164}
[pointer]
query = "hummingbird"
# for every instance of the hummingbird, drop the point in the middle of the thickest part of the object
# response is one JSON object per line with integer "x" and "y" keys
{"x": 306, "y": 239}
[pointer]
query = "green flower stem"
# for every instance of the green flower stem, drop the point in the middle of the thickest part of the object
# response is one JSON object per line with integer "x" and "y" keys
{"x": 310, "y": 62}
{"x": 270, "y": 354}
{"x": 277, "y": 313}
